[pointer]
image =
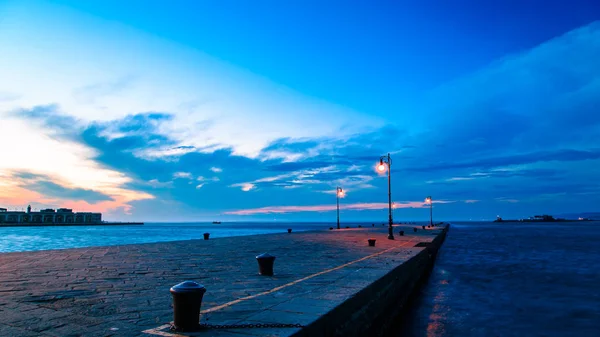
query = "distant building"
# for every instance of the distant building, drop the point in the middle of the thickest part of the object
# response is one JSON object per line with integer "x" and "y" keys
{"x": 543, "y": 218}
{"x": 49, "y": 216}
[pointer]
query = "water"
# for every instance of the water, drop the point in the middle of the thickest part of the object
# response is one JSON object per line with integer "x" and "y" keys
{"x": 17, "y": 239}
{"x": 512, "y": 280}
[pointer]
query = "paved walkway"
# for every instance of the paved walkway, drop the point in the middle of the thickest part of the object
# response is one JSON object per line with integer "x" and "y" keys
{"x": 124, "y": 290}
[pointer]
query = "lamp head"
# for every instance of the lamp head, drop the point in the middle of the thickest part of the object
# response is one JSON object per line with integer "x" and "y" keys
{"x": 381, "y": 167}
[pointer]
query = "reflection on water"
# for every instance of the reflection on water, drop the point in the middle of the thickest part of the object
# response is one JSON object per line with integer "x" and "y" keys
{"x": 512, "y": 280}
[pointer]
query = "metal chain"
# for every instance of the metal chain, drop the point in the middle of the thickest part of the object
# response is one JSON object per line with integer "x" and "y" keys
{"x": 246, "y": 326}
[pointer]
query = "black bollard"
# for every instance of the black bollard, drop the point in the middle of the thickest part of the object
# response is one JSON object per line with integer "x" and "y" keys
{"x": 423, "y": 226}
{"x": 330, "y": 228}
{"x": 347, "y": 226}
{"x": 401, "y": 233}
{"x": 289, "y": 230}
{"x": 373, "y": 225}
{"x": 265, "y": 264}
{"x": 359, "y": 226}
{"x": 187, "y": 299}
{"x": 206, "y": 235}
{"x": 415, "y": 229}
{"x": 371, "y": 242}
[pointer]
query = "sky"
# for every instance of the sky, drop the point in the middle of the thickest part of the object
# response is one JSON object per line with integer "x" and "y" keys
{"x": 257, "y": 110}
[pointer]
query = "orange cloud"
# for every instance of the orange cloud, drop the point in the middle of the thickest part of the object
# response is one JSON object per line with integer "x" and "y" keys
{"x": 14, "y": 195}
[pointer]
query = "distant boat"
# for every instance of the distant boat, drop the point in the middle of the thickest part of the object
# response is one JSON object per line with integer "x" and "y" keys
{"x": 217, "y": 222}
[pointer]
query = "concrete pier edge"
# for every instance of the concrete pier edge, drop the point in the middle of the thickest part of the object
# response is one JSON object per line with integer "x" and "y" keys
{"x": 374, "y": 309}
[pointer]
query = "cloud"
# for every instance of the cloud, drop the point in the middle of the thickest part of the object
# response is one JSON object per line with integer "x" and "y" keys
{"x": 510, "y": 107}
{"x": 325, "y": 208}
{"x": 460, "y": 178}
{"x": 216, "y": 169}
{"x": 245, "y": 186}
{"x": 182, "y": 175}
{"x": 51, "y": 119}
{"x": 53, "y": 148}
{"x": 158, "y": 184}
{"x": 199, "y": 186}
{"x": 517, "y": 159}
{"x": 508, "y": 200}
{"x": 60, "y": 192}
{"x": 23, "y": 187}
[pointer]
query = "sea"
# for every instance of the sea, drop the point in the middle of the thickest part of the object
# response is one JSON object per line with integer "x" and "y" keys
{"x": 19, "y": 239}
{"x": 512, "y": 279}
{"x": 490, "y": 279}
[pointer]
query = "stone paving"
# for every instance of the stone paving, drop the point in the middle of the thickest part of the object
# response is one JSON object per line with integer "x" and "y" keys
{"x": 124, "y": 290}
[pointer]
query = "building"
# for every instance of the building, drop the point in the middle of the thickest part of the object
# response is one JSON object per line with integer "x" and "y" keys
{"x": 49, "y": 216}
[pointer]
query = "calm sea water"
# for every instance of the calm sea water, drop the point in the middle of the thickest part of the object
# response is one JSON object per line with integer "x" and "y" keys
{"x": 512, "y": 280}
{"x": 17, "y": 239}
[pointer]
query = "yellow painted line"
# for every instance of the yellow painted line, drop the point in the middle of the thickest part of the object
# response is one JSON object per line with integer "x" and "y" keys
{"x": 156, "y": 331}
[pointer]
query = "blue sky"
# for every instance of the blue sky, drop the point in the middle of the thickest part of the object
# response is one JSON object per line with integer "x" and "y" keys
{"x": 229, "y": 110}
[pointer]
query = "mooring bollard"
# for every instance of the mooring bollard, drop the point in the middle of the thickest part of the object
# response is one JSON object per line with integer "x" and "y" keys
{"x": 415, "y": 229}
{"x": 401, "y": 233}
{"x": 206, "y": 235}
{"x": 289, "y": 230}
{"x": 187, "y": 299}
{"x": 347, "y": 226}
{"x": 330, "y": 228}
{"x": 359, "y": 226}
{"x": 372, "y": 242}
{"x": 423, "y": 226}
{"x": 373, "y": 225}
{"x": 265, "y": 264}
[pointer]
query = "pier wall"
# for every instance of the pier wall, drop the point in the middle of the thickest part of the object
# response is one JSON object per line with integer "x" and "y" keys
{"x": 372, "y": 311}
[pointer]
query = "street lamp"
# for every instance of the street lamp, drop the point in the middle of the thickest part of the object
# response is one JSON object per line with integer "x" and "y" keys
{"x": 338, "y": 193}
{"x": 430, "y": 202}
{"x": 386, "y": 162}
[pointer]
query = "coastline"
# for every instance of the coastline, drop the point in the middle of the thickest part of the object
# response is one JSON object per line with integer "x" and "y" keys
{"x": 65, "y": 224}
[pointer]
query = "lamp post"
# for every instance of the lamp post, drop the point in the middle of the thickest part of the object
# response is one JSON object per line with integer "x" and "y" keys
{"x": 338, "y": 193}
{"x": 430, "y": 202}
{"x": 386, "y": 162}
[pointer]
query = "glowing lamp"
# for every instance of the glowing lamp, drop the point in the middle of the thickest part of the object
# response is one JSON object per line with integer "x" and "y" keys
{"x": 381, "y": 167}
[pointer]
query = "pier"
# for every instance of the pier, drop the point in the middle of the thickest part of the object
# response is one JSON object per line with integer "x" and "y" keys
{"x": 325, "y": 283}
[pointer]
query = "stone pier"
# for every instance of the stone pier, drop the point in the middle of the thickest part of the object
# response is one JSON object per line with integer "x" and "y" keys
{"x": 328, "y": 282}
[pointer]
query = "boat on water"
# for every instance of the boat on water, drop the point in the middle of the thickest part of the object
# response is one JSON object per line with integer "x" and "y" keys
{"x": 217, "y": 222}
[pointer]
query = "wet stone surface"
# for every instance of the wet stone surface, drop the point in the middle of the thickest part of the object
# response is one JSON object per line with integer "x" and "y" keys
{"x": 124, "y": 290}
